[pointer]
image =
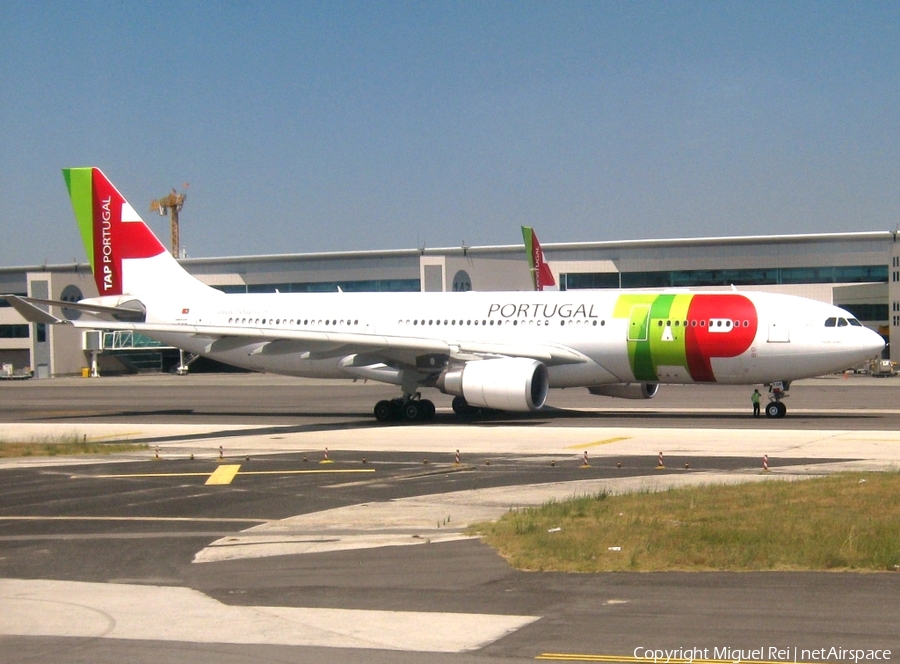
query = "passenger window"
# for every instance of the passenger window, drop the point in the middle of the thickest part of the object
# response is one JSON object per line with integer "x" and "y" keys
{"x": 831, "y": 322}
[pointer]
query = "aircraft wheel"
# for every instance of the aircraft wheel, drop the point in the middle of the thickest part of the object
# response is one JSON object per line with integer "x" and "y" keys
{"x": 782, "y": 409}
{"x": 428, "y": 409}
{"x": 412, "y": 411}
{"x": 774, "y": 409}
{"x": 460, "y": 406}
{"x": 385, "y": 411}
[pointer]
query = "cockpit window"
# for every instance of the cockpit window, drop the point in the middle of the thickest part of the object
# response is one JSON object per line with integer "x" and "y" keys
{"x": 842, "y": 322}
{"x": 831, "y": 322}
{"x": 854, "y": 322}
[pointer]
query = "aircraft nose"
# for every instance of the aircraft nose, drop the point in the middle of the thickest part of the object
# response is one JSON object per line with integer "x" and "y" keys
{"x": 872, "y": 343}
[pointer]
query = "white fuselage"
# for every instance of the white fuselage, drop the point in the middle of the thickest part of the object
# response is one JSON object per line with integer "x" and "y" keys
{"x": 622, "y": 336}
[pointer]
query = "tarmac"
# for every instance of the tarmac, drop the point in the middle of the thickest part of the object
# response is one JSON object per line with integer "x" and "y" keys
{"x": 183, "y": 555}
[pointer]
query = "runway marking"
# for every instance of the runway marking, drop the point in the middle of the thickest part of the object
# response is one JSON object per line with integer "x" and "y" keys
{"x": 598, "y": 443}
{"x": 117, "y": 435}
{"x": 176, "y": 519}
{"x": 224, "y": 474}
{"x": 628, "y": 659}
{"x": 335, "y": 471}
{"x": 108, "y": 477}
{"x": 228, "y": 471}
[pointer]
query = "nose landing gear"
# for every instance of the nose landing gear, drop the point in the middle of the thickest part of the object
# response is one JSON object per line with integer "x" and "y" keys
{"x": 776, "y": 407}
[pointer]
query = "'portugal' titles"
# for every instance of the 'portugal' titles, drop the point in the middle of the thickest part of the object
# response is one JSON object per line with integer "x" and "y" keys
{"x": 536, "y": 311}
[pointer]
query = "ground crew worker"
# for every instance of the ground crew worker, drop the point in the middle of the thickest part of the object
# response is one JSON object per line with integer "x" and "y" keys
{"x": 755, "y": 399}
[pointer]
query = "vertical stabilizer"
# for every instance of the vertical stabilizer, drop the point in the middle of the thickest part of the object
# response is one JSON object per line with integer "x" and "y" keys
{"x": 541, "y": 275}
{"x": 124, "y": 254}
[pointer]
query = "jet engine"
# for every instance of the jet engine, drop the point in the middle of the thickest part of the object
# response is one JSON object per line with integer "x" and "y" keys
{"x": 626, "y": 390}
{"x": 513, "y": 383}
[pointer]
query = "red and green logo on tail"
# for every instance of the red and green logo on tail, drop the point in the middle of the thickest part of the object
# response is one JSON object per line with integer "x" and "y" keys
{"x": 541, "y": 275}
{"x": 112, "y": 231}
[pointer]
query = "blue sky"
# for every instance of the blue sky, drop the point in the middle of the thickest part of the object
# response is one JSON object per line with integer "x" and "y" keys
{"x": 329, "y": 126}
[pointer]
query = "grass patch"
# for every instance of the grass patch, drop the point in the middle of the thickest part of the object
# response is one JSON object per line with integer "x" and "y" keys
{"x": 63, "y": 446}
{"x": 839, "y": 522}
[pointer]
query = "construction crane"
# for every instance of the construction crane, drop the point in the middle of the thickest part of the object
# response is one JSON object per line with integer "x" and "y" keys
{"x": 171, "y": 205}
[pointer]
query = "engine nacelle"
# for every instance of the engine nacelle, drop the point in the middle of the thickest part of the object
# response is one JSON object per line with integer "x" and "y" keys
{"x": 514, "y": 383}
{"x": 626, "y": 390}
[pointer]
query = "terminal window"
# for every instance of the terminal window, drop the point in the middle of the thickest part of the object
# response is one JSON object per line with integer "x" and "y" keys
{"x": 741, "y": 277}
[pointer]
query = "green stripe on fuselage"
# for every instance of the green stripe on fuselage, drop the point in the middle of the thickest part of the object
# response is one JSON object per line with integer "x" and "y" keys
{"x": 80, "y": 183}
{"x": 664, "y": 343}
{"x": 667, "y": 332}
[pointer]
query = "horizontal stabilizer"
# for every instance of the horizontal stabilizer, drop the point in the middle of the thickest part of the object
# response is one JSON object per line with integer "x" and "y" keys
{"x": 29, "y": 310}
{"x": 131, "y": 311}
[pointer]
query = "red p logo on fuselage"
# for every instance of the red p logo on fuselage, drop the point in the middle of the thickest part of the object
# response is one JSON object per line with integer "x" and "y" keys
{"x": 720, "y": 326}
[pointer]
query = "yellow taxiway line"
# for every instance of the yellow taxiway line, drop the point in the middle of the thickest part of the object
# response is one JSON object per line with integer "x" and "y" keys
{"x": 598, "y": 443}
{"x": 226, "y": 473}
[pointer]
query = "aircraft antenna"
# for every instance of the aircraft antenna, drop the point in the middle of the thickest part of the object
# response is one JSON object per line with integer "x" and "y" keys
{"x": 171, "y": 204}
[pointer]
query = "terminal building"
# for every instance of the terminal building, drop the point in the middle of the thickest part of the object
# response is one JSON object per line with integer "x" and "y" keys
{"x": 857, "y": 271}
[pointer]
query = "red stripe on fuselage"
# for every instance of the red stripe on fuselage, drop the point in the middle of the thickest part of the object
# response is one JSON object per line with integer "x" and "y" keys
{"x": 701, "y": 344}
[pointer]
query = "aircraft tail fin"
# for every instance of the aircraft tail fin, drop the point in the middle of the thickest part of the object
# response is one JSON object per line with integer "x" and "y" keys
{"x": 125, "y": 256}
{"x": 541, "y": 275}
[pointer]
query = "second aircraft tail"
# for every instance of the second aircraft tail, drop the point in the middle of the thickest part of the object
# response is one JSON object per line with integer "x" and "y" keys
{"x": 541, "y": 275}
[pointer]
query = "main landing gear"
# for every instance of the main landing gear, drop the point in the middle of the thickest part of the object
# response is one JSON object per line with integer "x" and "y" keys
{"x": 410, "y": 409}
{"x": 776, "y": 407}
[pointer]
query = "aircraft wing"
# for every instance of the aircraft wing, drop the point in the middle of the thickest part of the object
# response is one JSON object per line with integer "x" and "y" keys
{"x": 322, "y": 344}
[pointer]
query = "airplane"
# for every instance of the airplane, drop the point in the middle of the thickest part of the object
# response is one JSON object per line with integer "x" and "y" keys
{"x": 541, "y": 276}
{"x": 489, "y": 350}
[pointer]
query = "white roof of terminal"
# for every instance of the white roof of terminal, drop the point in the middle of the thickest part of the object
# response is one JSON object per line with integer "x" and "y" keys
{"x": 568, "y": 246}
{"x": 547, "y": 246}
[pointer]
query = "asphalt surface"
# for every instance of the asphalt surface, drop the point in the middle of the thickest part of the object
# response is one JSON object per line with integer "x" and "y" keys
{"x": 830, "y": 402}
{"x": 140, "y": 522}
